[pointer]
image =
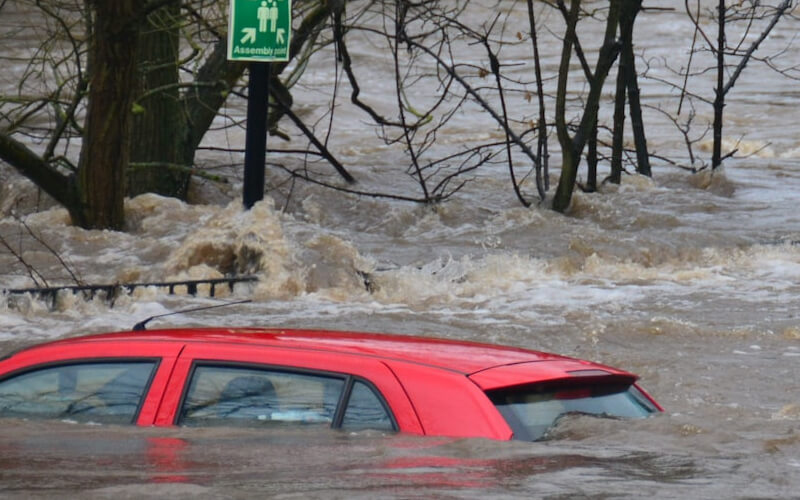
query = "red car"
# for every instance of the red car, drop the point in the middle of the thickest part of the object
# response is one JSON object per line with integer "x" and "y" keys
{"x": 344, "y": 380}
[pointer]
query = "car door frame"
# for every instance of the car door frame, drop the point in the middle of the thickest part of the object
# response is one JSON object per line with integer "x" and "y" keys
{"x": 163, "y": 353}
{"x": 367, "y": 368}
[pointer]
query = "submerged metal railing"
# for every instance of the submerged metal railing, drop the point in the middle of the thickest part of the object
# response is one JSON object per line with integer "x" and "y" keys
{"x": 111, "y": 291}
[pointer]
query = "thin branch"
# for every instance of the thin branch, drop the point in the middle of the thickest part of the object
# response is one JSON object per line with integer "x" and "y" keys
{"x": 75, "y": 278}
{"x": 745, "y": 58}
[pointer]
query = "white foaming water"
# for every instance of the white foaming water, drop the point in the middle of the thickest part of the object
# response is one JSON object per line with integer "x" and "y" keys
{"x": 513, "y": 258}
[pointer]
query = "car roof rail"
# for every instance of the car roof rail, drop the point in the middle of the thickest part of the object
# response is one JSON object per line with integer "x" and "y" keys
{"x": 142, "y": 325}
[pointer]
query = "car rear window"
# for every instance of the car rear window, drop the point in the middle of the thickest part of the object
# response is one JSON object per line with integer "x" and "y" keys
{"x": 532, "y": 411}
{"x": 365, "y": 411}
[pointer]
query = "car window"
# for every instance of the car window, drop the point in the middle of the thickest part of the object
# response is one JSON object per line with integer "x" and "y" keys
{"x": 103, "y": 392}
{"x": 365, "y": 410}
{"x": 532, "y": 412}
{"x": 238, "y": 395}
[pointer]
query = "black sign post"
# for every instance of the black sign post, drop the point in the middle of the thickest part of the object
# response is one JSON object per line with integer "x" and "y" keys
{"x": 259, "y": 32}
{"x": 255, "y": 152}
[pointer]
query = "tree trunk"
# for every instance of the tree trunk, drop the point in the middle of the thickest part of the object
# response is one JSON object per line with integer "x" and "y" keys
{"x": 719, "y": 92}
{"x": 618, "y": 132}
{"x": 627, "y": 59}
{"x": 105, "y": 152}
{"x": 158, "y": 130}
{"x": 542, "y": 174}
{"x": 60, "y": 187}
{"x": 569, "y": 164}
{"x": 591, "y": 161}
{"x": 214, "y": 81}
{"x": 572, "y": 147}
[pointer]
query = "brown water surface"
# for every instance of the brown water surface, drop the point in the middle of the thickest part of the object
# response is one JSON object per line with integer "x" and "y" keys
{"x": 690, "y": 281}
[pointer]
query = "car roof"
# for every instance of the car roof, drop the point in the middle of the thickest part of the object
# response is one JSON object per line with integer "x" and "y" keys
{"x": 455, "y": 355}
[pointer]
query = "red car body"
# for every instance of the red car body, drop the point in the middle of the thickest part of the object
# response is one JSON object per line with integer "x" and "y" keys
{"x": 429, "y": 386}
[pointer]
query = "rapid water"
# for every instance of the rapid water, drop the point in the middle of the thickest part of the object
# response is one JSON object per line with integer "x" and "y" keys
{"x": 691, "y": 281}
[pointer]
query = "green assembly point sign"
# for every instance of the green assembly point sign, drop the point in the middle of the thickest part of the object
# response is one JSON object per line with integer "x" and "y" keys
{"x": 259, "y": 30}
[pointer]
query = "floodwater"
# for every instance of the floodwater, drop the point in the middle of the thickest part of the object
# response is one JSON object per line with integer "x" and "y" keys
{"x": 691, "y": 281}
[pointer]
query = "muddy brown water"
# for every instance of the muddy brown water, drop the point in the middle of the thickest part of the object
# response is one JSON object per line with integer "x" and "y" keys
{"x": 690, "y": 281}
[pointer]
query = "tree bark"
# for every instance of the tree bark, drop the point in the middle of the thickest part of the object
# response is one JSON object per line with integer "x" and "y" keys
{"x": 572, "y": 147}
{"x": 542, "y": 174}
{"x": 591, "y": 161}
{"x": 60, "y": 187}
{"x": 158, "y": 129}
{"x": 618, "y": 132}
{"x": 213, "y": 83}
{"x": 627, "y": 59}
{"x": 719, "y": 92}
{"x": 566, "y": 181}
{"x": 105, "y": 152}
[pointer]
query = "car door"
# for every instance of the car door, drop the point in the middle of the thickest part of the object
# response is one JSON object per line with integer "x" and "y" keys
{"x": 112, "y": 382}
{"x": 230, "y": 384}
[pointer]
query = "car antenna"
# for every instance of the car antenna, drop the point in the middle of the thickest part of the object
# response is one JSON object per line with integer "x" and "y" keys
{"x": 142, "y": 325}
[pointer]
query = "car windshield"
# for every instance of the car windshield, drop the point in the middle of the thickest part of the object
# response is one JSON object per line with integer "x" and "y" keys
{"x": 532, "y": 411}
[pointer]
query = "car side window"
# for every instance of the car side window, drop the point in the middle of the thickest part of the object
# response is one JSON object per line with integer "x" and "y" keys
{"x": 228, "y": 395}
{"x": 365, "y": 410}
{"x": 107, "y": 392}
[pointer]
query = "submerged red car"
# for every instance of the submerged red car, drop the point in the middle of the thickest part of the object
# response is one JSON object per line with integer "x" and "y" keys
{"x": 345, "y": 380}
